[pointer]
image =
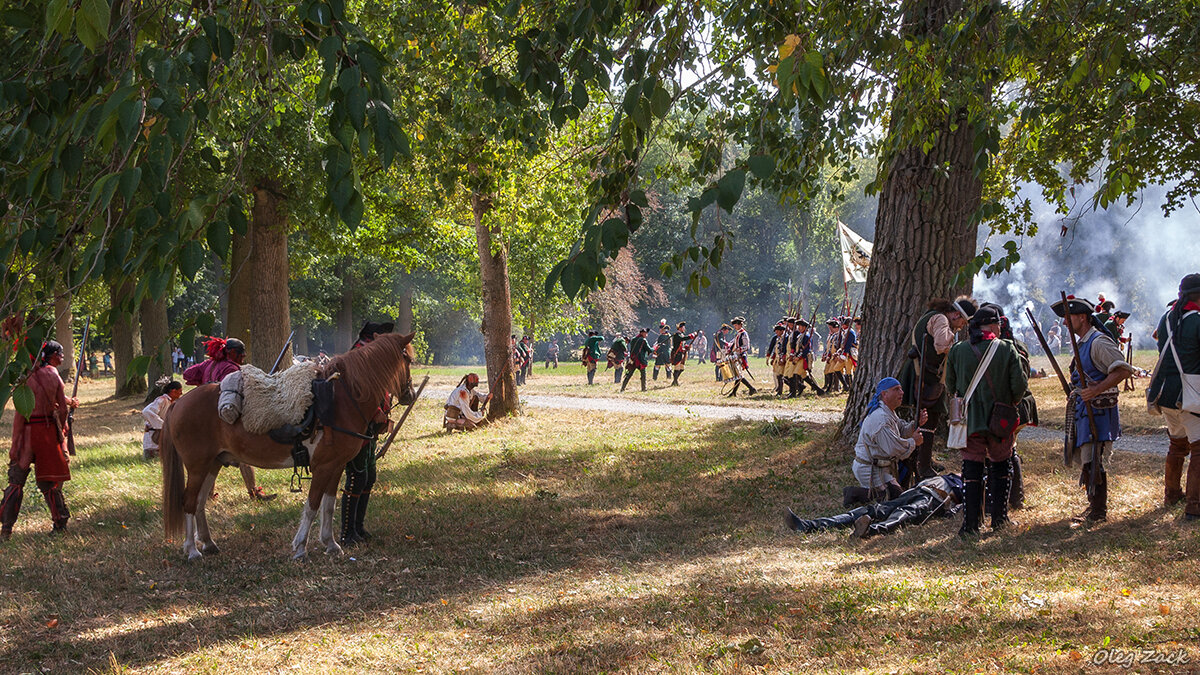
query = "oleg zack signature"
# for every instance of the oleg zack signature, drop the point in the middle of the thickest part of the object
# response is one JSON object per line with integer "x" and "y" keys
{"x": 1126, "y": 658}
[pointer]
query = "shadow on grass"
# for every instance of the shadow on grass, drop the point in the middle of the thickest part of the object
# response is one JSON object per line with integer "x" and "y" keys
{"x": 503, "y": 507}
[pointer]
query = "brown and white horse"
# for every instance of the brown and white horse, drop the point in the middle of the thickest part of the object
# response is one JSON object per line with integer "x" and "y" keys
{"x": 195, "y": 438}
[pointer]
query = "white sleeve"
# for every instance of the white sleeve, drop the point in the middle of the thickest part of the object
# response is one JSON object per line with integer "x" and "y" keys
{"x": 153, "y": 413}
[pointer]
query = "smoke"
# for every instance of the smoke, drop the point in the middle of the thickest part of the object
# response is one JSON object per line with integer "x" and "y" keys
{"x": 1133, "y": 255}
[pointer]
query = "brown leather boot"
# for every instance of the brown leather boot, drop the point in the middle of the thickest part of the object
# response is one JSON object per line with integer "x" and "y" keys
{"x": 1192, "y": 490}
{"x": 1177, "y": 452}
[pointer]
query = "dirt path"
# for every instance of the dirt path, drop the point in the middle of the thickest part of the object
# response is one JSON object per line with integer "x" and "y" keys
{"x": 1146, "y": 445}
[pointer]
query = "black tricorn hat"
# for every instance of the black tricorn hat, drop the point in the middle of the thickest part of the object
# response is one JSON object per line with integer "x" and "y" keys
{"x": 1122, "y": 315}
{"x": 738, "y": 320}
{"x": 832, "y": 322}
{"x": 370, "y": 328}
{"x": 803, "y": 323}
{"x": 1189, "y": 284}
{"x": 681, "y": 324}
{"x": 1074, "y": 306}
{"x": 780, "y": 326}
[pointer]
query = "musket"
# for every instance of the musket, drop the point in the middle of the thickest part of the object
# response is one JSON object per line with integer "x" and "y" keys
{"x": 282, "y": 352}
{"x": 1037, "y": 330}
{"x": 920, "y": 383}
{"x": 1087, "y": 405}
{"x": 1129, "y": 384}
{"x": 75, "y": 388}
{"x": 391, "y": 436}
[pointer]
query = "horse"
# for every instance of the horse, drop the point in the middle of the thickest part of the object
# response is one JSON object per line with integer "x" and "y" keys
{"x": 196, "y": 438}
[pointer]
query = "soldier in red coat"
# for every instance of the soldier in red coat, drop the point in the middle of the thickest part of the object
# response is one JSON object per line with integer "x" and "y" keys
{"x": 38, "y": 440}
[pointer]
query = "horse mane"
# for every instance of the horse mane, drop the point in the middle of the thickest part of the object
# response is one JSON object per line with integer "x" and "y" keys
{"x": 374, "y": 369}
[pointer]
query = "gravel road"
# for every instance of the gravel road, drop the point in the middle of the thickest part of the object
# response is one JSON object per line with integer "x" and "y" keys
{"x": 1148, "y": 445}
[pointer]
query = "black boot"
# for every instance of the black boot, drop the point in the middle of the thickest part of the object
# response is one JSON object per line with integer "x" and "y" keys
{"x": 813, "y": 383}
{"x": 348, "y": 536}
{"x": 736, "y": 384}
{"x": 1016, "y": 493}
{"x": 998, "y": 490}
{"x": 10, "y": 507}
{"x": 855, "y": 495}
{"x": 359, "y": 515}
{"x": 656, "y": 373}
{"x": 749, "y": 386}
{"x": 591, "y": 376}
{"x": 675, "y": 378}
{"x": 1098, "y": 513}
{"x": 643, "y": 379}
{"x": 973, "y": 498}
{"x": 628, "y": 376}
{"x": 779, "y": 386}
{"x": 799, "y": 384}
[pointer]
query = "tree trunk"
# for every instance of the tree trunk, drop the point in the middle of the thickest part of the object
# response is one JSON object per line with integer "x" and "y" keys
{"x": 241, "y": 282}
{"x": 156, "y": 341}
{"x": 404, "y": 320}
{"x": 343, "y": 336}
{"x": 270, "y": 307}
{"x": 924, "y": 233}
{"x": 126, "y": 341}
{"x": 497, "y": 311}
{"x": 64, "y": 334}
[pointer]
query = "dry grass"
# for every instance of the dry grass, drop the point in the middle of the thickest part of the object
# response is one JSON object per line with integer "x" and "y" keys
{"x": 560, "y": 542}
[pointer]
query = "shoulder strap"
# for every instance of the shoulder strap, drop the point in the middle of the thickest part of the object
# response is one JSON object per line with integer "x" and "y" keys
{"x": 981, "y": 369}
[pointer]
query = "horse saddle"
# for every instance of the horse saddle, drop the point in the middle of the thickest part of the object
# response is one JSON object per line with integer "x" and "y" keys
{"x": 319, "y": 412}
{"x": 279, "y": 400}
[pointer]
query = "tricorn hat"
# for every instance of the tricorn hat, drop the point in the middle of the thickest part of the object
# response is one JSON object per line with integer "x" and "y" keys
{"x": 802, "y": 323}
{"x": 1074, "y": 306}
{"x": 681, "y": 324}
{"x": 1122, "y": 315}
{"x": 832, "y": 322}
{"x": 780, "y": 326}
{"x": 370, "y": 328}
{"x": 1189, "y": 284}
{"x": 738, "y": 320}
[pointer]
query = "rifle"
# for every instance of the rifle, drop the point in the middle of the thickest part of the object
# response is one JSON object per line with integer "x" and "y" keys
{"x": 1087, "y": 405}
{"x": 282, "y": 352}
{"x": 1129, "y": 384}
{"x": 75, "y": 388}
{"x": 391, "y": 436}
{"x": 1037, "y": 330}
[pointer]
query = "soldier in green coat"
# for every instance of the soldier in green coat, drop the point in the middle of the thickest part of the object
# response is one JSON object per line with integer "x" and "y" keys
{"x": 1178, "y": 336}
{"x": 591, "y": 354}
{"x": 662, "y": 351}
{"x": 639, "y": 356}
{"x": 616, "y": 357}
{"x": 1004, "y": 381}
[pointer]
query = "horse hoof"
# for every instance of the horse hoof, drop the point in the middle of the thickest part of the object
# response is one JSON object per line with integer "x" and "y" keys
{"x": 195, "y": 555}
{"x": 300, "y": 556}
{"x": 333, "y": 549}
{"x": 210, "y": 549}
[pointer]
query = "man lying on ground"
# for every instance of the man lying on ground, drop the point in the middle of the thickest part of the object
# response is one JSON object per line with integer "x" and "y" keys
{"x": 938, "y": 496}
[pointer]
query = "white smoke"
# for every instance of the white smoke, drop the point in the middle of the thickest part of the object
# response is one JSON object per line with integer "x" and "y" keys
{"x": 1133, "y": 255}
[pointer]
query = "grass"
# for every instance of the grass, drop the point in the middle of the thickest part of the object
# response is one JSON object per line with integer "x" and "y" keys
{"x": 560, "y": 542}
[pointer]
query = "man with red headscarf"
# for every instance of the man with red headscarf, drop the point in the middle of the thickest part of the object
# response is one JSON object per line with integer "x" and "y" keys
{"x": 464, "y": 408}
{"x": 38, "y": 440}
{"x": 225, "y": 356}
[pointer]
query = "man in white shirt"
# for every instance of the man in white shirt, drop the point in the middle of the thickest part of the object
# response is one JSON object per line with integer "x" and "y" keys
{"x": 464, "y": 408}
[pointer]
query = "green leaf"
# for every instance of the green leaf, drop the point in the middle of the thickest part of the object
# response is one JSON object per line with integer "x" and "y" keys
{"x": 191, "y": 258}
{"x": 91, "y": 24}
{"x": 762, "y": 166}
{"x": 729, "y": 189}
{"x": 130, "y": 179}
{"x": 59, "y": 15}
{"x": 579, "y": 95}
{"x": 219, "y": 238}
{"x": 660, "y": 102}
{"x": 205, "y": 322}
{"x": 23, "y": 400}
{"x": 137, "y": 368}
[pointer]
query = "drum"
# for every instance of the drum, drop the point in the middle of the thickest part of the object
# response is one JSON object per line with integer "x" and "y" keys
{"x": 727, "y": 370}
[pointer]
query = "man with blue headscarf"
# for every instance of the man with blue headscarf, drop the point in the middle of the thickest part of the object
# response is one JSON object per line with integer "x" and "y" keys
{"x": 883, "y": 440}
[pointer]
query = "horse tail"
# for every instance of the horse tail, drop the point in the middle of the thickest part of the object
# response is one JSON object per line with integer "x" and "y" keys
{"x": 172, "y": 488}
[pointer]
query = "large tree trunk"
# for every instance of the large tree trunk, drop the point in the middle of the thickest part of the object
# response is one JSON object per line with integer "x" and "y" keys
{"x": 343, "y": 336}
{"x": 924, "y": 233}
{"x": 404, "y": 320}
{"x": 126, "y": 340}
{"x": 156, "y": 341}
{"x": 241, "y": 283}
{"x": 65, "y": 335}
{"x": 270, "y": 307}
{"x": 497, "y": 311}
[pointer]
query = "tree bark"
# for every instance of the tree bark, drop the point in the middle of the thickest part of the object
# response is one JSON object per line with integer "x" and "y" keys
{"x": 65, "y": 336}
{"x": 156, "y": 341}
{"x": 241, "y": 273}
{"x": 126, "y": 343}
{"x": 270, "y": 306}
{"x": 924, "y": 233}
{"x": 343, "y": 336}
{"x": 497, "y": 311}
{"x": 404, "y": 320}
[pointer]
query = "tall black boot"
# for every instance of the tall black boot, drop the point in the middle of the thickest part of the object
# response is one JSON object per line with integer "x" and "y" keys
{"x": 779, "y": 385}
{"x": 656, "y": 373}
{"x": 360, "y": 513}
{"x": 998, "y": 488}
{"x": 350, "y": 499}
{"x": 798, "y": 384}
{"x": 1016, "y": 493}
{"x": 1098, "y": 513}
{"x": 675, "y": 378}
{"x": 591, "y": 376}
{"x": 643, "y": 371}
{"x": 813, "y": 383}
{"x": 973, "y": 493}
{"x": 617, "y": 375}
{"x": 736, "y": 384}
{"x": 749, "y": 386}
